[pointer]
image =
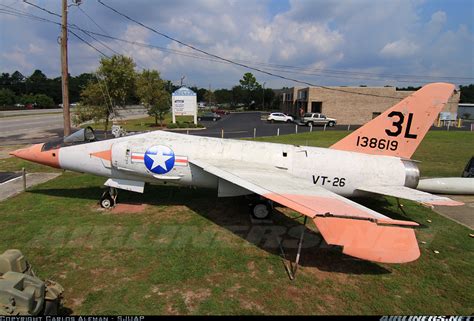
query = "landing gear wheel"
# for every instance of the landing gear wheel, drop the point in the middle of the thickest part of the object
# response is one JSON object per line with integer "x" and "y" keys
{"x": 107, "y": 202}
{"x": 261, "y": 210}
{"x": 109, "y": 198}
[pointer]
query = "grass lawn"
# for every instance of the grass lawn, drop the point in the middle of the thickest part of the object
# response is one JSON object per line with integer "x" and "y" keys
{"x": 189, "y": 252}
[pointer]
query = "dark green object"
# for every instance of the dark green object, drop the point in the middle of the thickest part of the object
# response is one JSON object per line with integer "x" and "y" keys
{"x": 21, "y": 292}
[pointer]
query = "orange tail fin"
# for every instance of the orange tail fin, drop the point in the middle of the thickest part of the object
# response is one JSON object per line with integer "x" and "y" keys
{"x": 399, "y": 130}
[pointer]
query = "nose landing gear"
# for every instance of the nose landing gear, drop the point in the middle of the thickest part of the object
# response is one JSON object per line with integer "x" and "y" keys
{"x": 109, "y": 198}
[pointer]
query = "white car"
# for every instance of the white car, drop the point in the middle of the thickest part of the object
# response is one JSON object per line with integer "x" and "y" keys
{"x": 273, "y": 117}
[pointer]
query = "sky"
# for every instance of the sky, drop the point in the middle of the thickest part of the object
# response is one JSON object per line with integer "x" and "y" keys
{"x": 322, "y": 42}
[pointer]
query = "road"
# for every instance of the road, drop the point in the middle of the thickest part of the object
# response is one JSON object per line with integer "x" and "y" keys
{"x": 36, "y": 126}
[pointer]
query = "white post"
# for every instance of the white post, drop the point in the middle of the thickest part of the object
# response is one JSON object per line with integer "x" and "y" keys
{"x": 222, "y": 133}
{"x": 187, "y": 132}
{"x": 310, "y": 128}
{"x": 449, "y": 123}
{"x": 296, "y": 129}
{"x": 324, "y": 127}
{"x": 348, "y": 127}
{"x": 278, "y": 132}
{"x": 254, "y": 132}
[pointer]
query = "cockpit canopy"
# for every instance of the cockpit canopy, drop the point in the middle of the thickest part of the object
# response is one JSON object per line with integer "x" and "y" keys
{"x": 84, "y": 135}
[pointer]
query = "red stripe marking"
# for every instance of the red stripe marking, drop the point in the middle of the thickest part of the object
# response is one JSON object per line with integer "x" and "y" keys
{"x": 181, "y": 160}
{"x": 138, "y": 157}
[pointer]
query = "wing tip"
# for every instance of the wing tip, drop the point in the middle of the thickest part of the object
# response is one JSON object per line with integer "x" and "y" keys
{"x": 369, "y": 241}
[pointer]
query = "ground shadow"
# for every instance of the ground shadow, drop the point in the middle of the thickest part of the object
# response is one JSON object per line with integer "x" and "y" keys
{"x": 230, "y": 213}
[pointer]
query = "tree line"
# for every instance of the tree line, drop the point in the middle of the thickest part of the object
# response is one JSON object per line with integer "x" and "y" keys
{"x": 43, "y": 92}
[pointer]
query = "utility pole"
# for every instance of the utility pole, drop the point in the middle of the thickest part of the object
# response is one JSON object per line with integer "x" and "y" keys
{"x": 263, "y": 98}
{"x": 64, "y": 71}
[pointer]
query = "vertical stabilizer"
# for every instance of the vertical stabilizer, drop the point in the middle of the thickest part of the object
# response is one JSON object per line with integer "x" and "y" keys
{"x": 399, "y": 130}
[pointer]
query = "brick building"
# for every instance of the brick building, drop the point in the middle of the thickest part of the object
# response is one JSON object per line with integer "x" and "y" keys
{"x": 349, "y": 105}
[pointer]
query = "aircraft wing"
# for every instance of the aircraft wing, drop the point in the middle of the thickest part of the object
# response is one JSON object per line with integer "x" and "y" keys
{"x": 362, "y": 232}
{"x": 410, "y": 194}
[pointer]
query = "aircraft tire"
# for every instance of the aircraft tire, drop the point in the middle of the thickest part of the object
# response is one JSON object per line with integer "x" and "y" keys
{"x": 261, "y": 210}
{"x": 107, "y": 202}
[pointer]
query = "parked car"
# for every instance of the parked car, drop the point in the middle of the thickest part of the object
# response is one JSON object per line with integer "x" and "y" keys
{"x": 273, "y": 117}
{"x": 221, "y": 112}
{"x": 313, "y": 119}
{"x": 209, "y": 116}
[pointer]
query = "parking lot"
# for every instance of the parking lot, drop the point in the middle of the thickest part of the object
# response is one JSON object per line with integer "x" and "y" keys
{"x": 248, "y": 124}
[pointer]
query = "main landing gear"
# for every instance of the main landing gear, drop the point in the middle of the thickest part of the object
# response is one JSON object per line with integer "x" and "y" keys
{"x": 109, "y": 198}
{"x": 260, "y": 208}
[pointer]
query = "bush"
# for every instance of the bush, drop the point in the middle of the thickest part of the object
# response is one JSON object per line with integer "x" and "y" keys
{"x": 183, "y": 125}
{"x": 172, "y": 126}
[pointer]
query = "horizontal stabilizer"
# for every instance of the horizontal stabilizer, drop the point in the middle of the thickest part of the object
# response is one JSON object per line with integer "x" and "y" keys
{"x": 410, "y": 194}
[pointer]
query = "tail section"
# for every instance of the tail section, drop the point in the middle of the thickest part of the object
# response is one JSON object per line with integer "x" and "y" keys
{"x": 399, "y": 130}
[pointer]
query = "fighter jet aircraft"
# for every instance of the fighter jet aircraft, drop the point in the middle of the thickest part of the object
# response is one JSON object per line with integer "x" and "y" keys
{"x": 375, "y": 159}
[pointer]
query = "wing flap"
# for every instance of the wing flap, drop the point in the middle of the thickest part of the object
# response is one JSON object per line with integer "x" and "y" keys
{"x": 361, "y": 232}
{"x": 410, "y": 194}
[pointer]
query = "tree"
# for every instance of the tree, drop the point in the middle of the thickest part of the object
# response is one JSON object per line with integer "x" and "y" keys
{"x": 118, "y": 75}
{"x": 223, "y": 96}
{"x": 94, "y": 105}
{"x": 238, "y": 95}
{"x": 209, "y": 97}
{"x": 7, "y": 97}
{"x": 42, "y": 100}
{"x": 250, "y": 85}
{"x": 114, "y": 86}
{"x": 37, "y": 83}
{"x": 151, "y": 90}
{"x": 467, "y": 94}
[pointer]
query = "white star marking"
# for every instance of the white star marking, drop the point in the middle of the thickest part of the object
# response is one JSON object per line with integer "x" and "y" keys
{"x": 159, "y": 160}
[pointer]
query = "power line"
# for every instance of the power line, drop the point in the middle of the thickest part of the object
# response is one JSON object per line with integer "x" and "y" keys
{"x": 277, "y": 67}
{"x": 235, "y": 62}
{"x": 43, "y": 9}
{"x": 87, "y": 43}
{"x": 210, "y": 57}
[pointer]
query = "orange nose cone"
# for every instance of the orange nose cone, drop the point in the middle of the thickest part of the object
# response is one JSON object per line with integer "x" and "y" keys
{"x": 35, "y": 154}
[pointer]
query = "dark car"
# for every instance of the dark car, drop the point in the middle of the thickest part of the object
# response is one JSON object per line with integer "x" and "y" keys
{"x": 209, "y": 116}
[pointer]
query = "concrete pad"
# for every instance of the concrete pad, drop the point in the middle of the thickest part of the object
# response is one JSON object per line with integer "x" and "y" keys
{"x": 463, "y": 215}
{"x": 15, "y": 186}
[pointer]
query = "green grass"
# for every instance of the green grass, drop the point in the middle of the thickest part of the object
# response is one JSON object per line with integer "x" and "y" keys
{"x": 189, "y": 252}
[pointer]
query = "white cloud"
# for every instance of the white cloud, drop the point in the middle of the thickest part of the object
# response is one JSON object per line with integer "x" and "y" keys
{"x": 399, "y": 49}
{"x": 391, "y": 37}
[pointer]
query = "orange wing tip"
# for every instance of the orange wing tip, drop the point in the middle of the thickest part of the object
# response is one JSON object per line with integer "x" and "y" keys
{"x": 447, "y": 202}
{"x": 369, "y": 241}
{"x": 105, "y": 154}
{"x": 397, "y": 222}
